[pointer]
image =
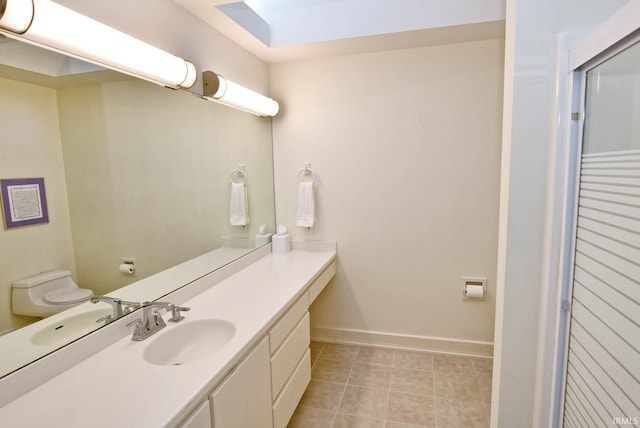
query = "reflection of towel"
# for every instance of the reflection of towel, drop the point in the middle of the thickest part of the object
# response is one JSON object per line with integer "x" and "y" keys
{"x": 306, "y": 205}
{"x": 238, "y": 206}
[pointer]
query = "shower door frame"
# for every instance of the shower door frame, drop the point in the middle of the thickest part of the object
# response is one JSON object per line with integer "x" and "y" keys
{"x": 614, "y": 35}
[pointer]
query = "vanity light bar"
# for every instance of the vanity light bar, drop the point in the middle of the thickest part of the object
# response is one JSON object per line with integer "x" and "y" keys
{"x": 45, "y": 23}
{"x": 217, "y": 88}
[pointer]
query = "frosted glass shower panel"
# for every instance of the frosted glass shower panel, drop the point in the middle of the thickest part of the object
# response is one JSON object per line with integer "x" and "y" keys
{"x": 613, "y": 104}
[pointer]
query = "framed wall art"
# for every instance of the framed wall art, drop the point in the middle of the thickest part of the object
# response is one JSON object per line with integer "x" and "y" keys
{"x": 24, "y": 202}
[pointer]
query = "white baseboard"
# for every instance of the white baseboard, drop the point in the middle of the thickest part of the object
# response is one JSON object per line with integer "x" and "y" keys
{"x": 469, "y": 348}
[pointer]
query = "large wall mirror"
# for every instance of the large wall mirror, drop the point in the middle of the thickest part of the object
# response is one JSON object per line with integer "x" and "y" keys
{"x": 131, "y": 170}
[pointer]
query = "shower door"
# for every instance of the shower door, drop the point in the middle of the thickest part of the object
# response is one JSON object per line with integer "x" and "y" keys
{"x": 603, "y": 361}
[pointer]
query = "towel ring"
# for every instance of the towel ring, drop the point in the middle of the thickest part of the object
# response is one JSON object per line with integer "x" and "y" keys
{"x": 305, "y": 172}
{"x": 238, "y": 177}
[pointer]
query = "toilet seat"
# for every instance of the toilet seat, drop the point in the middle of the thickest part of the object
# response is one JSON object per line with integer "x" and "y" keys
{"x": 68, "y": 296}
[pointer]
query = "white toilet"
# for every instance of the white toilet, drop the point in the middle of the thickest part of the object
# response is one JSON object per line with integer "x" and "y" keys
{"x": 46, "y": 294}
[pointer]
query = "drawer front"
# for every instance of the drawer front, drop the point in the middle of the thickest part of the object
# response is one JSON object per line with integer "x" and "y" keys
{"x": 292, "y": 392}
{"x": 279, "y": 333}
{"x": 285, "y": 360}
{"x": 318, "y": 285}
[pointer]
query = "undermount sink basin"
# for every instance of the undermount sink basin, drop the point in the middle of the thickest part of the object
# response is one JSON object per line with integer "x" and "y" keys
{"x": 64, "y": 330}
{"x": 188, "y": 342}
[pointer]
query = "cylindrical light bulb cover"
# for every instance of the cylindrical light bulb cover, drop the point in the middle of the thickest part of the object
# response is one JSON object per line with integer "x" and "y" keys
{"x": 74, "y": 34}
{"x": 15, "y": 16}
{"x": 226, "y": 92}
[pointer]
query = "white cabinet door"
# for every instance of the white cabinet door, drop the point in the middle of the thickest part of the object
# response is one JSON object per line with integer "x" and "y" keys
{"x": 199, "y": 418}
{"x": 243, "y": 400}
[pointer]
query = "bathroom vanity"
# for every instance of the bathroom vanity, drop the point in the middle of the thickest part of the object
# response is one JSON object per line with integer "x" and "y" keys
{"x": 240, "y": 358}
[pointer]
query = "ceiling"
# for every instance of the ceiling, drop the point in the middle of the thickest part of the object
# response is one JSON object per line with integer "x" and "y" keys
{"x": 286, "y": 30}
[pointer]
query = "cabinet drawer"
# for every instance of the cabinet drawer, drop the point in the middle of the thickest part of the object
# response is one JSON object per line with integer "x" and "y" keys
{"x": 291, "y": 394}
{"x": 279, "y": 333}
{"x": 285, "y": 360}
{"x": 318, "y": 285}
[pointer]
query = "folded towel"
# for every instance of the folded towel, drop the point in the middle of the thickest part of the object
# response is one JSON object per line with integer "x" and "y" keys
{"x": 238, "y": 206}
{"x": 306, "y": 205}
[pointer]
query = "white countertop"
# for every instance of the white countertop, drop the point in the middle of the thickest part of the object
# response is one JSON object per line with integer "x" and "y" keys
{"x": 17, "y": 348}
{"x": 116, "y": 387}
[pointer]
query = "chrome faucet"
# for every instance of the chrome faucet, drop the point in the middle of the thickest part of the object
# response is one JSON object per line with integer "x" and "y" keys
{"x": 152, "y": 320}
{"x": 120, "y": 307}
{"x": 150, "y": 323}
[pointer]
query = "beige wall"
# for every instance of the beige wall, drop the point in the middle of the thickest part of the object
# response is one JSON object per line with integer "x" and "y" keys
{"x": 32, "y": 151}
{"x": 406, "y": 146}
{"x": 148, "y": 173}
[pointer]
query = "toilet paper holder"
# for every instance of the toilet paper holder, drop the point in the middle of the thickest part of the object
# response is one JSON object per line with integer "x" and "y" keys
{"x": 127, "y": 265}
{"x": 474, "y": 287}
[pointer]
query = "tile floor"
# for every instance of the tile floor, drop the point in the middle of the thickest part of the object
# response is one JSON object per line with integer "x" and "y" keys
{"x": 369, "y": 387}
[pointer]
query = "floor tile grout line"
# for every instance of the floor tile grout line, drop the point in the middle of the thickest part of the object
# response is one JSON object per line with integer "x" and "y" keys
{"x": 386, "y": 410}
{"x": 318, "y": 356}
{"x": 385, "y": 420}
{"x": 335, "y": 416}
{"x": 435, "y": 397}
{"x": 386, "y": 407}
{"x": 484, "y": 410}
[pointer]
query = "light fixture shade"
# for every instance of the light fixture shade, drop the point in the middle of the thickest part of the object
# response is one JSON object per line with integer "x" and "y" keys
{"x": 45, "y": 23}
{"x": 219, "y": 89}
{"x": 16, "y": 16}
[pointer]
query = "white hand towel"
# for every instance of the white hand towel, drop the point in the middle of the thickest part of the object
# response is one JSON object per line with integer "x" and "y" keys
{"x": 238, "y": 206}
{"x": 306, "y": 205}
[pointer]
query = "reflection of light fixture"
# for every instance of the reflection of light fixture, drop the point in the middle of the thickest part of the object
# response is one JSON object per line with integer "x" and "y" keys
{"x": 47, "y": 24}
{"x": 219, "y": 89}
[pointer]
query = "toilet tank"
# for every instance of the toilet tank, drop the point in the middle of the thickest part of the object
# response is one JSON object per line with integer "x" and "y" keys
{"x": 51, "y": 278}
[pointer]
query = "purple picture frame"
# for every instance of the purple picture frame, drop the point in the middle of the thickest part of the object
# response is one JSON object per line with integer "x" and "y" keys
{"x": 24, "y": 202}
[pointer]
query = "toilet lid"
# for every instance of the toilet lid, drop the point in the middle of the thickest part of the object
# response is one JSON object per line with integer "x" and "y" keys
{"x": 66, "y": 297}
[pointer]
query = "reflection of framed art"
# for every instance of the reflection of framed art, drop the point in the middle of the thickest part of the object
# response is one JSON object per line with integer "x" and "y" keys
{"x": 24, "y": 202}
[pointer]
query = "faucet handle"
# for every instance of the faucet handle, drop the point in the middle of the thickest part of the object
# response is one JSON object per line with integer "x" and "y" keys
{"x": 105, "y": 299}
{"x": 128, "y": 307}
{"x": 157, "y": 320}
{"x": 175, "y": 312}
{"x": 107, "y": 319}
{"x": 137, "y": 323}
{"x": 137, "y": 332}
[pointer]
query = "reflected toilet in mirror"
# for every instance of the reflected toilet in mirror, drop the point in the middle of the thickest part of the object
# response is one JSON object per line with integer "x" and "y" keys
{"x": 46, "y": 294}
